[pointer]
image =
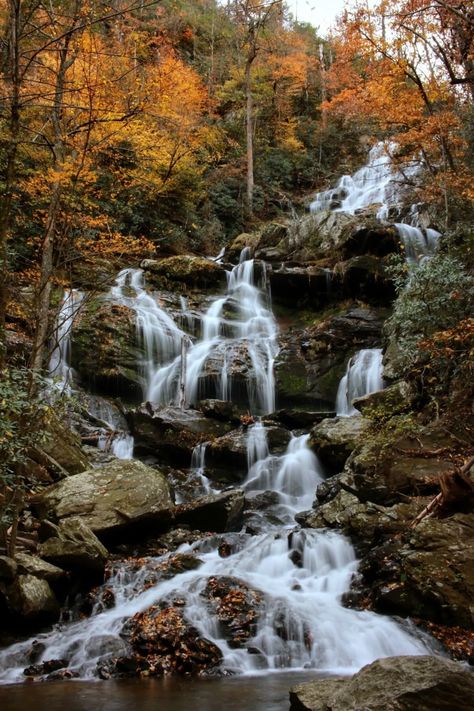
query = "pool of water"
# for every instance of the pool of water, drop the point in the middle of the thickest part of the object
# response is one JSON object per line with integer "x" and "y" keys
{"x": 261, "y": 693}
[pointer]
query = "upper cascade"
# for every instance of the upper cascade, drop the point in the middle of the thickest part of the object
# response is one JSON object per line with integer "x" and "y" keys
{"x": 380, "y": 183}
{"x": 238, "y": 334}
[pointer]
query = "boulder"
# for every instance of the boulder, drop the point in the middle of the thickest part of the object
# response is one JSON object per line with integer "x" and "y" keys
{"x": 168, "y": 644}
{"x": 105, "y": 348}
{"x": 236, "y": 607}
{"x": 334, "y": 439}
{"x": 60, "y": 453}
{"x": 170, "y": 433}
{"x": 8, "y": 568}
{"x": 392, "y": 684}
{"x": 75, "y": 548}
{"x": 221, "y": 410}
{"x": 32, "y": 565}
{"x": 217, "y": 512}
{"x": 246, "y": 239}
{"x": 110, "y": 500}
{"x": 32, "y": 599}
{"x": 184, "y": 271}
{"x": 395, "y": 399}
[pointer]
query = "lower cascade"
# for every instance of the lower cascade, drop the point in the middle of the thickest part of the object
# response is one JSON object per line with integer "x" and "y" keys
{"x": 297, "y": 576}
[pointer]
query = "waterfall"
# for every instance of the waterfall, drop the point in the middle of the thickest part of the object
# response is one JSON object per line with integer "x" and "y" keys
{"x": 198, "y": 468}
{"x": 158, "y": 334}
{"x": 380, "y": 183}
{"x": 300, "y": 576}
{"x": 363, "y": 376}
{"x": 59, "y": 367}
{"x": 116, "y": 435}
{"x": 419, "y": 244}
{"x": 245, "y": 344}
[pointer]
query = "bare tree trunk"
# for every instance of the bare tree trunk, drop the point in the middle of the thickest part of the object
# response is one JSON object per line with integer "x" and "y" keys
{"x": 12, "y": 71}
{"x": 250, "y": 176}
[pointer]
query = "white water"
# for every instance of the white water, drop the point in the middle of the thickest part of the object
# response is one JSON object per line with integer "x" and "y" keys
{"x": 301, "y": 576}
{"x": 380, "y": 183}
{"x": 116, "y": 436}
{"x": 60, "y": 372}
{"x": 198, "y": 468}
{"x": 364, "y": 375}
{"x": 241, "y": 348}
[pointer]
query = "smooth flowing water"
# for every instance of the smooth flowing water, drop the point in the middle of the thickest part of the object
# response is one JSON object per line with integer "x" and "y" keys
{"x": 380, "y": 183}
{"x": 364, "y": 375}
{"x": 60, "y": 371}
{"x": 299, "y": 575}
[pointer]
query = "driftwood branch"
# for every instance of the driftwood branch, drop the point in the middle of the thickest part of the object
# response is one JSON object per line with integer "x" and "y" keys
{"x": 455, "y": 486}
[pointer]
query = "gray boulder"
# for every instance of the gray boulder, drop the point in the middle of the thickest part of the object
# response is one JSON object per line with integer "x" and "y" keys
{"x": 75, "y": 548}
{"x": 335, "y": 439}
{"x": 32, "y": 598}
{"x": 108, "y": 500}
{"x": 392, "y": 684}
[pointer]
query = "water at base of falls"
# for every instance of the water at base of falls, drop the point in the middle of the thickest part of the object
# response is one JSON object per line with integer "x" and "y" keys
{"x": 364, "y": 375}
{"x": 300, "y": 576}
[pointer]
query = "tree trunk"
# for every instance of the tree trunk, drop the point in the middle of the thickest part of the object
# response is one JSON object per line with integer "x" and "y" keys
{"x": 249, "y": 117}
{"x": 12, "y": 71}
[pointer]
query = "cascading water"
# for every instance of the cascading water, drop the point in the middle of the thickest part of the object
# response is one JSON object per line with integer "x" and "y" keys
{"x": 60, "y": 371}
{"x": 364, "y": 375}
{"x": 198, "y": 468}
{"x": 115, "y": 437}
{"x": 379, "y": 183}
{"x": 299, "y": 575}
{"x": 246, "y": 340}
{"x": 159, "y": 335}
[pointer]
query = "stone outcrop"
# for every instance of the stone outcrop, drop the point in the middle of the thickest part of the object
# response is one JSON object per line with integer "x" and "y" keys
{"x": 170, "y": 433}
{"x": 236, "y": 606}
{"x": 104, "y": 348}
{"x": 218, "y": 513}
{"x": 392, "y": 684}
{"x": 32, "y": 599}
{"x": 75, "y": 547}
{"x": 333, "y": 440}
{"x": 312, "y": 361}
{"x": 110, "y": 500}
{"x": 184, "y": 271}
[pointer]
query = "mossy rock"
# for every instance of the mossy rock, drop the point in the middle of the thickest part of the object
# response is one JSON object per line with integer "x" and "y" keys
{"x": 105, "y": 348}
{"x": 184, "y": 272}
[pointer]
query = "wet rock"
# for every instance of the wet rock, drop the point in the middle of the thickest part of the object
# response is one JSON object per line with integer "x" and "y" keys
{"x": 125, "y": 668}
{"x": 236, "y": 606}
{"x": 32, "y": 599}
{"x": 394, "y": 399}
{"x": 184, "y": 271}
{"x": 227, "y": 458}
{"x": 169, "y": 644}
{"x": 246, "y": 239}
{"x": 220, "y": 410}
{"x": 365, "y": 277}
{"x": 171, "y": 433}
{"x": 105, "y": 348}
{"x": 395, "y": 684}
{"x": 333, "y": 440}
{"x": 312, "y": 361}
{"x": 111, "y": 500}
{"x": 313, "y": 283}
{"x": 51, "y": 665}
{"x": 75, "y": 548}
{"x": 301, "y": 419}
{"x": 217, "y": 513}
